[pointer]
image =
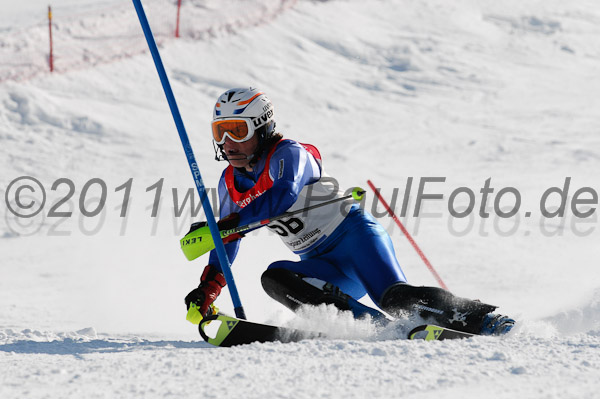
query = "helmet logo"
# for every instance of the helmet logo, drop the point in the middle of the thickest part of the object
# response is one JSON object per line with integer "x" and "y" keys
{"x": 264, "y": 118}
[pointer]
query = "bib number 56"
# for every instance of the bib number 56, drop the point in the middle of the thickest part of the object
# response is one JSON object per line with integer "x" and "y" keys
{"x": 284, "y": 227}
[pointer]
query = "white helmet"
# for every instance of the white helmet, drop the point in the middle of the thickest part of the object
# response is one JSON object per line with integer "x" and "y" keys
{"x": 249, "y": 104}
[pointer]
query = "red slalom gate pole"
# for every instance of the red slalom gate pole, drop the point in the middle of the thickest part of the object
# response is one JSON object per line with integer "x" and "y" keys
{"x": 177, "y": 23}
{"x": 51, "y": 55}
{"x": 408, "y": 236}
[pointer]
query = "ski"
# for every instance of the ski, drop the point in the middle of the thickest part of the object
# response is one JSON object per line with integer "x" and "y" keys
{"x": 233, "y": 331}
{"x": 430, "y": 332}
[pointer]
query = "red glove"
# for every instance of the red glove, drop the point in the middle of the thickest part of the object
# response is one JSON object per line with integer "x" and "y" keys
{"x": 211, "y": 283}
{"x": 229, "y": 222}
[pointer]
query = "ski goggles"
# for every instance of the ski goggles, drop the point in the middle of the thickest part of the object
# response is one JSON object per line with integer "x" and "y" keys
{"x": 238, "y": 130}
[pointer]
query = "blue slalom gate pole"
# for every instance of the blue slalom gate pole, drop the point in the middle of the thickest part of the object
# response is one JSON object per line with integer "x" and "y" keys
{"x": 187, "y": 147}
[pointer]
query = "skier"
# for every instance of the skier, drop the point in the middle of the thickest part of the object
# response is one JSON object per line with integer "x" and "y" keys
{"x": 343, "y": 256}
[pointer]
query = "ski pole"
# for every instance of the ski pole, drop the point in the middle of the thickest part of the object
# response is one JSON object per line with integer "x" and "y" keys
{"x": 408, "y": 236}
{"x": 187, "y": 147}
{"x": 198, "y": 242}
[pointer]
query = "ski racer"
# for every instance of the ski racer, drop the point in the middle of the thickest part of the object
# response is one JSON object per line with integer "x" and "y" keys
{"x": 343, "y": 256}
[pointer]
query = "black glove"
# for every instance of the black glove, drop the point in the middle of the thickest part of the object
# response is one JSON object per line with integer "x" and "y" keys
{"x": 211, "y": 283}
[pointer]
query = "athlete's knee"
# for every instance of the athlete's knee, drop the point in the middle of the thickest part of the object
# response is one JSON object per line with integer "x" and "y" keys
{"x": 274, "y": 278}
{"x": 293, "y": 289}
{"x": 286, "y": 287}
{"x": 280, "y": 264}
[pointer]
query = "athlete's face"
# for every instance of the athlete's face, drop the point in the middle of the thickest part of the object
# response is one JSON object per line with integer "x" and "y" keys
{"x": 238, "y": 153}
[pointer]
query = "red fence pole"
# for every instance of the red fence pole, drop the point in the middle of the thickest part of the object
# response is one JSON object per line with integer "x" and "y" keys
{"x": 51, "y": 56}
{"x": 177, "y": 23}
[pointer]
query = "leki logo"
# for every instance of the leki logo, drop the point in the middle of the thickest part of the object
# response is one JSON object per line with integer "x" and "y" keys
{"x": 191, "y": 241}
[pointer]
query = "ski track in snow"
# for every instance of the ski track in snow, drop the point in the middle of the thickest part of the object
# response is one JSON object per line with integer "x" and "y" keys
{"x": 108, "y": 367}
{"x": 93, "y": 307}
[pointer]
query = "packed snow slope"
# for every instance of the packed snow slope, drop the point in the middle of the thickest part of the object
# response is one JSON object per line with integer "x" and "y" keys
{"x": 388, "y": 90}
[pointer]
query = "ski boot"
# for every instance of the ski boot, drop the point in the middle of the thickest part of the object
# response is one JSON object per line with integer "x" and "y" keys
{"x": 495, "y": 324}
{"x": 438, "y": 305}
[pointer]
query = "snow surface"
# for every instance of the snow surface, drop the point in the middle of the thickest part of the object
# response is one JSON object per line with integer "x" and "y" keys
{"x": 387, "y": 89}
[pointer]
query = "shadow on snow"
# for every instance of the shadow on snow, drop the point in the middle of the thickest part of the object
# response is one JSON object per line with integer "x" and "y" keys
{"x": 78, "y": 347}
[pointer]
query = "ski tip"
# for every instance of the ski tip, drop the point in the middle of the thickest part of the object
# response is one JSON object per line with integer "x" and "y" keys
{"x": 231, "y": 331}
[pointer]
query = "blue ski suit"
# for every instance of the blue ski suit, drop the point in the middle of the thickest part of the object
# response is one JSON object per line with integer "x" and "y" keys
{"x": 353, "y": 252}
